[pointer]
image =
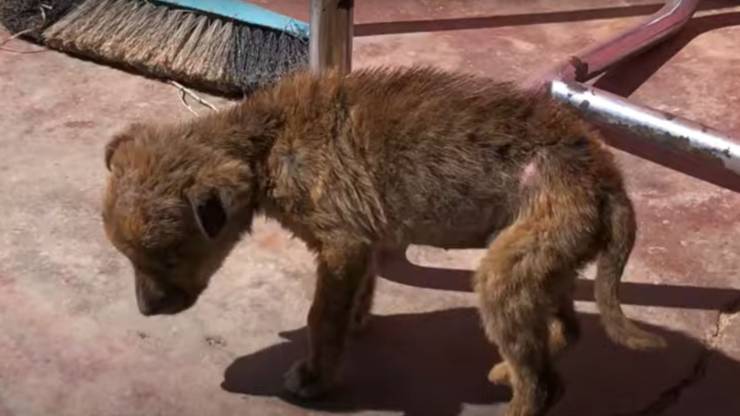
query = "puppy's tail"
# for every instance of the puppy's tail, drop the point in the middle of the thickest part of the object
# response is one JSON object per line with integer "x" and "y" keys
{"x": 620, "y": 226}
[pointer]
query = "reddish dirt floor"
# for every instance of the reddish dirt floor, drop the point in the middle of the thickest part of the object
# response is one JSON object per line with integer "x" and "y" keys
{"x": 72, "y": 342}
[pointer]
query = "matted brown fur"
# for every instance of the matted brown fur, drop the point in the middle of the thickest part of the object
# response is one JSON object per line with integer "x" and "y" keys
{"x": 386, "y": 157}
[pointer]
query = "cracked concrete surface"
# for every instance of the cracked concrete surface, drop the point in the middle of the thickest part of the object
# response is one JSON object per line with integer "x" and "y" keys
{"x": 73, "y": 344}
{"x": 725, "y": 318}
{"x": 712, "y": 345}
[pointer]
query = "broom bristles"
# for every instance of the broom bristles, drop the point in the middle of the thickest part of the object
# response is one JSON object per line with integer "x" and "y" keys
{"x": 200, "y": 50}
{"x": 31, "y": 17}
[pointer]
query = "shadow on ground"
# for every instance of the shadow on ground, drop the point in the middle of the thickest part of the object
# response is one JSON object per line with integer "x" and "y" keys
{"x": 396, "y": 267}
{"x": 427, "y": 364}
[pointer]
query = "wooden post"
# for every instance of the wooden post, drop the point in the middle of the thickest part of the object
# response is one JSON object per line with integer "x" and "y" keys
{"x": 331, "y": 35}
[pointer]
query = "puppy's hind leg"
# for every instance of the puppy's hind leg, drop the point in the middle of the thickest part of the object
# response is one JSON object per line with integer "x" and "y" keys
{"x": 563, "y": 331}
{"x": 514, "y": 313}
{"x": 518, "y": 285}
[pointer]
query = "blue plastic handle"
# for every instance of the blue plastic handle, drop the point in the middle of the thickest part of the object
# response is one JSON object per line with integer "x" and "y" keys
{"x": 245, "y": 12}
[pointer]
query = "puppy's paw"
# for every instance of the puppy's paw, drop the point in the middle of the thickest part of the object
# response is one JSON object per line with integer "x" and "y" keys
{"x": 500, "y": 374}
{"x": 305, "y": 383}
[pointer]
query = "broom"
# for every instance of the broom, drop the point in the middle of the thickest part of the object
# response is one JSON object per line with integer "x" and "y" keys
{"x": 224, "y": 46}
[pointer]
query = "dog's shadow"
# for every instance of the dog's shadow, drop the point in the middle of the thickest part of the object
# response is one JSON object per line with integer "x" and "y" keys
{"x": 435, "y": 363}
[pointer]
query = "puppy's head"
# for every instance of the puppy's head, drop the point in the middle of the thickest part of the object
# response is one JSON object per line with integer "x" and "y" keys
{"x": 175, "y": 207}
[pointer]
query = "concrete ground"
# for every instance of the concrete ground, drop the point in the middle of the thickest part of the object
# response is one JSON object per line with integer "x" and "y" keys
{"x": 72, "y": 342}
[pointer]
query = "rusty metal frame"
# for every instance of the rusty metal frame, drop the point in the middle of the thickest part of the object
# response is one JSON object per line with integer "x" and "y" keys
{"x": 594, "y": 60}
{"x": 706, "y": 148}
{"x": 704, "y": 145}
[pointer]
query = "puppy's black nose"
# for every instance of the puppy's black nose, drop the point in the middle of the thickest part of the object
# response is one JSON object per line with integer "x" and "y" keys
{"x": 162, "y": 303}
{"x": 150, "y": 303}
{"x": 149, "y": 306}
{"x": 155, "y": 296}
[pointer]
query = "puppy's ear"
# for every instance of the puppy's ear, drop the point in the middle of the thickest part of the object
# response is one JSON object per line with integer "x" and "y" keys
{"x": 210, "y": 209}
{"x": 221, "y": 193}
{"x": 120, "y": 138}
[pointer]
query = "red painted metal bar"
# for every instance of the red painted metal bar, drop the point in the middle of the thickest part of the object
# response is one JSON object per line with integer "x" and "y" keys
{"x": 594, "y": 60}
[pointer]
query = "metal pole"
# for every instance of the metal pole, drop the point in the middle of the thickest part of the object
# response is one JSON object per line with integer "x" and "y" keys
{"x": 331, "y": 35}
{"x": 669, "y": 132}
{"x": 709, "y": 150}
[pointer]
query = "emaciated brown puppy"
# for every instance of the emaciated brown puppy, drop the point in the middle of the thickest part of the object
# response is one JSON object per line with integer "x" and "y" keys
{"x": 386, "y": 157}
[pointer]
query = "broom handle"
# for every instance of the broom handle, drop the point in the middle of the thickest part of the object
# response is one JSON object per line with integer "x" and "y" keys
{"x": 330, "y": 43}
{"x": 245, "y": 12}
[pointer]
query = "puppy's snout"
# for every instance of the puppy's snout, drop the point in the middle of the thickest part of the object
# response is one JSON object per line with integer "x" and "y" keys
{"x": 161, "y": 304}
{"x": 155, "y": 299}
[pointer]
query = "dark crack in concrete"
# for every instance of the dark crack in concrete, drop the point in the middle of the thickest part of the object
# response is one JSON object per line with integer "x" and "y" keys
{"x": 671, "y": 395}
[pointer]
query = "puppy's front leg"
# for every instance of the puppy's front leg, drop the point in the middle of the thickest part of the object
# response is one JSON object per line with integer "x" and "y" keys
{"x": 341, "y": 270}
